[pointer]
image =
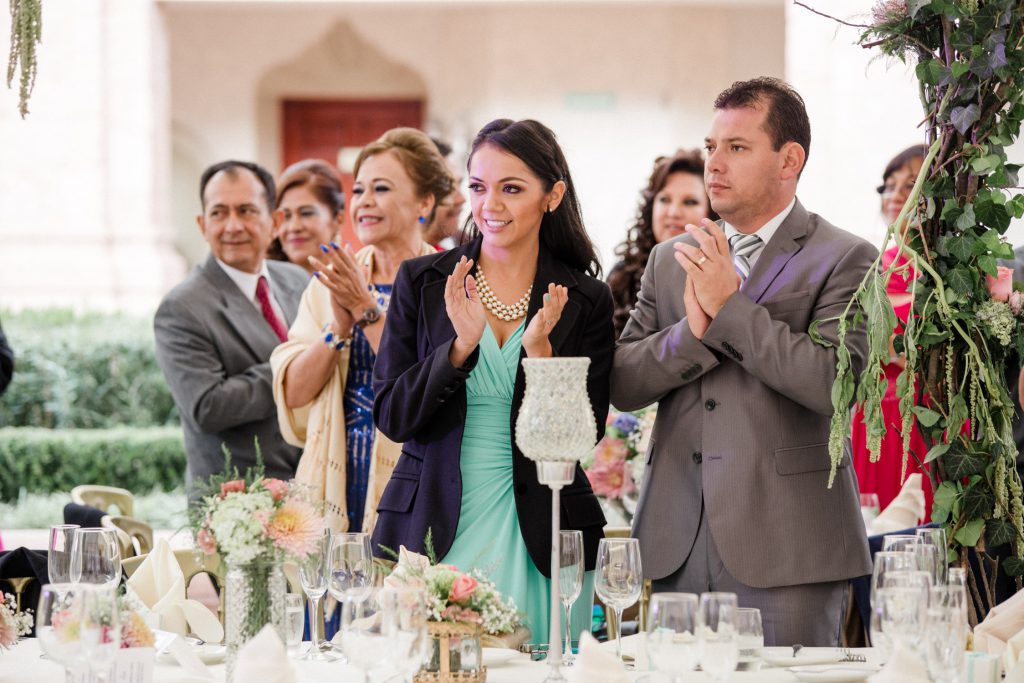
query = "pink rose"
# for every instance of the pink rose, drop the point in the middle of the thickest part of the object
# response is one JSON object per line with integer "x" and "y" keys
{"x": 1000, "y": 286}
{"x": 278, "y": 489}
{"x": 462, "y": 588}
{"x": 610, "y": 479}
{"x": 206, "y": 542}
{"x": 609, "y": 451}
{"x": 236, "y": 486}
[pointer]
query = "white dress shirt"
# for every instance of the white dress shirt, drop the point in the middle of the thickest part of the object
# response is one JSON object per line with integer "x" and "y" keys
{"x": 765, "y": 232}
{"x": 247, "y": 283}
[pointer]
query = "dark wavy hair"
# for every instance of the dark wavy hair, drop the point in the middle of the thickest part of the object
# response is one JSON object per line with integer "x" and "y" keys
{"x": 624, "y": 280}
{"x": 561, "y": 231}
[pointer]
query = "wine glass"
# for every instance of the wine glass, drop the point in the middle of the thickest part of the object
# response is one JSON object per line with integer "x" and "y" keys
{"x": 750, "y": 631}
{"x": 570, "y": 581}
{"x": 410, "y": 641}
{"x": 100, "y": 629}
{"x": 885, "y": 562}
{"x": 904, "y": 604}
{"x": 58, "y": 617}
{"x": 717, "y": 639}
{"x": 368, "y": 625}
{"x": 936, "y": 536}
{"x": 619, "y": 578}
{"x": 898, "y": 543}
{"x": 350, "y": 567}
{"x": 672, "y": 635}
{"x": 313, "y": 572}
{"x": 58, "y": 557}
{"x": 944, "y": 641}
{"x": 95, "y": 557}
{"x": 926, "y": 557}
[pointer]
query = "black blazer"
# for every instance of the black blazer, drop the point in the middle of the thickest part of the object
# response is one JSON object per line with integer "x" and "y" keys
{"x": 421, "y": 402}
{"x": 6, "y": 362}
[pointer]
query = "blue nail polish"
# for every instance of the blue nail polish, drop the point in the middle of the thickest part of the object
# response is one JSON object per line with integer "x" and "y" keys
{"x": 323, "y": 248}
{"x": 334, "y": 245}
{"x": 316, "y": 273}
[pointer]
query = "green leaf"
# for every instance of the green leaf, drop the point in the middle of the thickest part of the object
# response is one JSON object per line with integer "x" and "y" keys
{"x": 934, "y": 452}
{"x": 966, "y": 220}
{"x": 969, "y": 533}
{"x": 960, "y": 280}
{"x": 945, "y": 495}
{"x": 963, "y": 118}
{"x": 960, "y": 463}
{"x": 978, "y": 502}
{"x": 931, "y": 72}
{"x": 959, "y": 69}
{"x": 1013, "y": 566}
{"x": 926, "y": 416}
{"x": 915, "y": 6}
{"x": 998, "y": 532}
{"x": 988, "y": 264}
{"x": 959, "y": 246}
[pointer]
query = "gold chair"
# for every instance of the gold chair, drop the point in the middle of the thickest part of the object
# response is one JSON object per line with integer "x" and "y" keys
{"x": 641, "y": 610}
{"x": 192, "y": 563}
{"x": 135, "y": 536}
{"x": 104, "y": 497}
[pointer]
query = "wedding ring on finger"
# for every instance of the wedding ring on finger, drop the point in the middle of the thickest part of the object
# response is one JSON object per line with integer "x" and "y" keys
{"x": 702, "y": 259}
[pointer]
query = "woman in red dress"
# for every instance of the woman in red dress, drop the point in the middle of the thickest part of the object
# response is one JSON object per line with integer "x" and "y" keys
{"x": 883, "y": 477}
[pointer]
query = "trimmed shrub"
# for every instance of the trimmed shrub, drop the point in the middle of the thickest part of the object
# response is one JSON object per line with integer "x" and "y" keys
{"x": 86, "y": 371}
{"x": 44, "y": 460}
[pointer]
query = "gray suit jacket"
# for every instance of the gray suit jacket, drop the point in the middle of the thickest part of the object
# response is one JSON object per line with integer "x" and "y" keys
{"x": 214, "y": 347}
{"x": 744, "y": 414}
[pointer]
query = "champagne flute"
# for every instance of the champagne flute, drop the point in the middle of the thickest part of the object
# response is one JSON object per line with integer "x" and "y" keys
{"x": 672, "y": 638}
{"x": 313, "y": 572}
{"x": 411, "y": 638}
{"x": 58, "y": 617}
{"x": 619, "y": 578}
{"x": 570, "y": 581}
{"x": 717, "y": 639}
{"x": 368, "y": 627}
{"x": 58, "y": 557}
{"x": 100, "y": 629}
{"x": 95, "y": 557}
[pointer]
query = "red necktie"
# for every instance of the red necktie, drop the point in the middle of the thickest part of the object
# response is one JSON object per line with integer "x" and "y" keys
{"x": 263, "y": 294}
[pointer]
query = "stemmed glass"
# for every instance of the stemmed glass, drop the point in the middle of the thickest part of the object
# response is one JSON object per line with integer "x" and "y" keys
{"x": 313, "y": 572}
{"x": 57, "y": 619}
{"x": 672, "y": 638}
{"x": 58, "y": 557}
{"x": 885, "y": 562}
{"x": 619, "y": 578}
{"x": 899, "y": 543}
{"x": 944, "y": 642}
{"x": 368, "y": 626}
{"x": 570, "y": 581}
{"x": 717, "y": 639}
{"x": 937, "y": 537}
{"x": 350, "y": 571}
{"x": 95, "y": 557}
{"x": 904, "y": 604}
{"x": 100, "y": 629}
{"x": 411, "y": 640}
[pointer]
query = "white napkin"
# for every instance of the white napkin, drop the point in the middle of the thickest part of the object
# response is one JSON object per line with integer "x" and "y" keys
{"x": 905, "y": 510}
{"x": 595, "y": 664}
{"x": 904, "y": 666}
{"x": 1002, "y": 632}
{"x": 264, "y": 659}
{"x": 160, "y": 585}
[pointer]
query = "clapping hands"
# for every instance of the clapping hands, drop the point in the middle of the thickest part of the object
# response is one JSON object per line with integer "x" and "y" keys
{"x": 535, "y": 338}
{"x": 465, "y": 310}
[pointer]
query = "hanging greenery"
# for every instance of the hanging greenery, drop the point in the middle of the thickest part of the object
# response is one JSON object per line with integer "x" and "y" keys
{"x": 966, "y": 323}
{"x": 26, "y": 33}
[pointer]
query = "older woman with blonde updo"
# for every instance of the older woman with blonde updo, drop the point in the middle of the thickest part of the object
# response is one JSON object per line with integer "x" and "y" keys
{"x": 322, "y": 374}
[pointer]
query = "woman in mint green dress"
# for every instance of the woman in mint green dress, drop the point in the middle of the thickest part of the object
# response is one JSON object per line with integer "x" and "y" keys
{"x": 449, "y": 383}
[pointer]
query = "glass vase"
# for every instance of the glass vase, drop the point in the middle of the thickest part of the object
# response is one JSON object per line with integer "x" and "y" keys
{"x": 454, "y": 654}
{"x": 254, "y": 598}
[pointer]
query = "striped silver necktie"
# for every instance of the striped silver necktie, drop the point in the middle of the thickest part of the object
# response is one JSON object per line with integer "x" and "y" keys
{"x": 743, "y": 247}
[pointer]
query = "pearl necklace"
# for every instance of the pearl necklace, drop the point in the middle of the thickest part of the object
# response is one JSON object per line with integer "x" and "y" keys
{"x": 495, "y": 306}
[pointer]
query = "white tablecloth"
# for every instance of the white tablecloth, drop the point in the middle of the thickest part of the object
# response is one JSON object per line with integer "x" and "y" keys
{"x": 22, "y": 664}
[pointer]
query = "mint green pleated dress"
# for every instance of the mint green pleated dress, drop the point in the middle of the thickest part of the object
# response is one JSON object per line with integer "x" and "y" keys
{"x": 488, "y": 536}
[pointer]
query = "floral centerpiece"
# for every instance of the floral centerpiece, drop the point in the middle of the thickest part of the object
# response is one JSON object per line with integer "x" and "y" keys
{"x": 615, "y": 468}
{"x": 12, "y": 624}
{"x": 254, "y": 523}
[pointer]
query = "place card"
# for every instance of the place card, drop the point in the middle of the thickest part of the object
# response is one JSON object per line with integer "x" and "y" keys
{"x": 131, "y": 665}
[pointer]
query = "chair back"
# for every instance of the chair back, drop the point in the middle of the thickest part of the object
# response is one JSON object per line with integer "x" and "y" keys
{"x": 135, "y": 536}
{"x": 104, "y": 498}
{"x": 192, "y": 563}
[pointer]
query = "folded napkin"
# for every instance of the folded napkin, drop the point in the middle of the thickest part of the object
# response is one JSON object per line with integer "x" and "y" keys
{"x": 904, "y": 666}
{"x": 160, "y": 585}
{"x": 1002, "y": 632}
{"x": 264, "y": 659}
{"x": 595, "y": 664}
{"x": 905, "y": 510}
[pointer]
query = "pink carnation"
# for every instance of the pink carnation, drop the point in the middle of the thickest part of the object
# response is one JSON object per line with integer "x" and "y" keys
{"x": 278, "y": 489}
{"x": 610, "y": 479}
{"x": 1000, "y": 286}
{"x": 609, "y": 451}
{"x": 207, "y": 543}
{"x": 462, "y": 588}
{"x": 235, "y": 486}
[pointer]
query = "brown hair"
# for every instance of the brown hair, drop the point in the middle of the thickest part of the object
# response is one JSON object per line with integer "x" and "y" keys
{"x": 901, "y": 160}
{"x": 419, "y": 157}
{"x": 786, "y": 118}
{"x": 323, "y": 181}
{"x": 624, "y": 280}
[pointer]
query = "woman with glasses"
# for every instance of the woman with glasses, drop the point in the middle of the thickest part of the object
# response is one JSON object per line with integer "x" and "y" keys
{"x": 883, "y": 477}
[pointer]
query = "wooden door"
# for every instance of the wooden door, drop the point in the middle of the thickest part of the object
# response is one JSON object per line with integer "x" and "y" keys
{"x": 320, "y": 129}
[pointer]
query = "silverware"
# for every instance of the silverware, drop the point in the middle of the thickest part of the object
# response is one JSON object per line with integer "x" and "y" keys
{"x": 851, "y": 656}
{"x": 797, "y": 648}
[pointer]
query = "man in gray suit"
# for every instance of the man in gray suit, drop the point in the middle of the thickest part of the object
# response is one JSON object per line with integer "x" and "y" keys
{"x": 735, "y": 495}
{"x": 215, "y": 331}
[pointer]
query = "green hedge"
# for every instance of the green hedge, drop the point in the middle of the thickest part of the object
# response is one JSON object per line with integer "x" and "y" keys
{"x": 43, "y": 460}
{"x": 86, "y": 371}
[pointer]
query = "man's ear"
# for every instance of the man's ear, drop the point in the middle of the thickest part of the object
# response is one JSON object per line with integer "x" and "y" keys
{"x": 793, "y": 158}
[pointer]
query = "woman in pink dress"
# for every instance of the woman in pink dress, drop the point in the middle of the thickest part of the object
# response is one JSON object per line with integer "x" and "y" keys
{"x": 883, "y": 477}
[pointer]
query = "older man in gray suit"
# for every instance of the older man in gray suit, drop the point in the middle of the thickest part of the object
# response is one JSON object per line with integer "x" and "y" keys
{"x": 215, "y": 331}
{"x": 736, "y": 494}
